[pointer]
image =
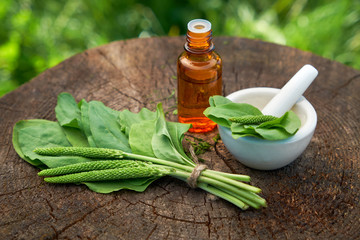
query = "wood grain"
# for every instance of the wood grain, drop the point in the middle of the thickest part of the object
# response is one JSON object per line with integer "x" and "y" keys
{"x": 315, "y": 197}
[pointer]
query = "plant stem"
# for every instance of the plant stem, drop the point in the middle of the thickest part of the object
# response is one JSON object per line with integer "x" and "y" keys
{"x": 245, "y": 200}
{"x": 235, "y": 191}
{"x": 220, "y": 193}
{"x": 238, "y": 177}
{"x": 190, "y": 169}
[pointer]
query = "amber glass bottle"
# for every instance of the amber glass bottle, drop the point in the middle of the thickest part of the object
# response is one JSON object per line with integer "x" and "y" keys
{"x": 199, "y": 70}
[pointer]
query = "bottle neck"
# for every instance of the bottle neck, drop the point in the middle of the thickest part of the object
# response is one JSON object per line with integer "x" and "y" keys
{"x": 199, "y": 43}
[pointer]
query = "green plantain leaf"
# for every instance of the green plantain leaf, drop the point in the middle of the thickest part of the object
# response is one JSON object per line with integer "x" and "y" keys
{"x": 127, "y": 118}
{"x": 241, "y": 130}
{"x": 34, "y": 133}
{"x": 218, "y": 100}
{"x": 105, "y": 129}
{"x": 68, "y": 114}
{"x": 153, "y": 137}
{"x": 177, "y": 131}
{"x": 67, "y": 111}
{"x": 85, "y": 122}
{"x": 76, "y": 137}
{"x": 140, "y": 137}
{"x": 221, "y": 113}
{"x": 273, "y": 133}
{"x": 136, "y": 184}
{"x": 162, "y": 143}
{"x": 289, "y": 122}
{"x": 15, "y": 138}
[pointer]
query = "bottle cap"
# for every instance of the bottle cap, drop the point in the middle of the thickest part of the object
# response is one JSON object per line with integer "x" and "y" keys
{"x": 199, "y": 26}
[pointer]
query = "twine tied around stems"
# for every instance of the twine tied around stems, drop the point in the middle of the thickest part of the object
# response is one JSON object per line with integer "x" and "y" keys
{"x": 195, "y": 174}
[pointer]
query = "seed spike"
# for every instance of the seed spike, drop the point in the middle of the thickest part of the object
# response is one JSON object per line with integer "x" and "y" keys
{"x": 252, "y": 119}
{"x": 109, "y": 174}
{"x": 90, "y": 166}
{"x": 89, "y": 152}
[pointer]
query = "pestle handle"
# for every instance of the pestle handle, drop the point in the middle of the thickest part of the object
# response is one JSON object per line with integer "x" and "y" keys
{"x": 291, "y": 92}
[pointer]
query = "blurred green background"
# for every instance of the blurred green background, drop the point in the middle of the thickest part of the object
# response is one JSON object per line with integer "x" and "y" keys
{"x": 38, "y": 34}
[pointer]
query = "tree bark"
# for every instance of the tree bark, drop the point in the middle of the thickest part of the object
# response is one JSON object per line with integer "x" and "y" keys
{"x": 316, "y": 196}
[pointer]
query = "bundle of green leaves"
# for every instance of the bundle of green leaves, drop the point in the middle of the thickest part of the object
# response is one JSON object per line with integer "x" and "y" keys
{"x": 246, "y": 120}
{"x": 88, "y": 132}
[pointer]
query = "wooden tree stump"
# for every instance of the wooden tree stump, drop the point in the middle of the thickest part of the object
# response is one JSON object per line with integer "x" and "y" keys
{"x": 315, "y": 197}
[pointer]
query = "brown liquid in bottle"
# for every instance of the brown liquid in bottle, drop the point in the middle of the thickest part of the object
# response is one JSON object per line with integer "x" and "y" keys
{"x": 199, "y": 71}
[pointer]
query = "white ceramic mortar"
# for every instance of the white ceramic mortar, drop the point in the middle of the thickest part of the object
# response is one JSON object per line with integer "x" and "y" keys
{"x": 265, "y": 154}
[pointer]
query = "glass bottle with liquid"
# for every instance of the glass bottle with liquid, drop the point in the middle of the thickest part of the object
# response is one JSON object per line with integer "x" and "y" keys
{"x": 199, "y": 70}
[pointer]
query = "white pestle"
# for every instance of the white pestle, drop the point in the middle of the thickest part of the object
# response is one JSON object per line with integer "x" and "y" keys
{"x": 291, "y": 92}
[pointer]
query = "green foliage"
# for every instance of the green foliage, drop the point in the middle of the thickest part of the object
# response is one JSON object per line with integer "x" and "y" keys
{"x": 36, "y": 35}
{"x": 221, "y": 110}
{"x": 29, "y": 135}
{"x": 199, "y": 146}
{"x": 251, "y": 121}
{"x": 103, "y": 127}
{"x": 45, "y": 144}
{"x": 167, "y": 139}
{"x": 278, "y": 129}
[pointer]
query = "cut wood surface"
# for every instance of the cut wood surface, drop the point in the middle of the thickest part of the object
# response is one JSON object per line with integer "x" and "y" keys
{"x": 315, "y": 197}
